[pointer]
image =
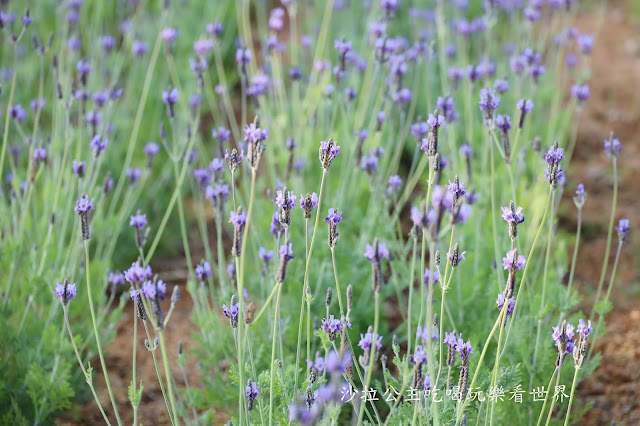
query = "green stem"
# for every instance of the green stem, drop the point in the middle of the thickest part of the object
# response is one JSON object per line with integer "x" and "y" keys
{"x": 335, "y": 274}
{"x": 155, "y": 363}
{"x": 575, "y": 252}
{"x": 573, "y": 391}
{"x": 95, "y": 330}
{"x": 87, "y": 376}
{"x": 607, "y": 251}
{"x": 553, "y": 400}
{"x": 167, "y": 373}
{"x": 305, "y": 282}
{"x": 273, "y": 352}
{"x": 372, "y": 352}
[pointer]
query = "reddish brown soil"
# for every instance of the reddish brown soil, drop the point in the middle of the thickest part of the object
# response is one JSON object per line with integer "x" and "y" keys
{"x": 614, "y": 388}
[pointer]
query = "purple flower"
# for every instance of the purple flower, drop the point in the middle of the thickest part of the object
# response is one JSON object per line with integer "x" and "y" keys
{"x": 169, "y": 34}
{"x": 286, "y": 201}
{"x": 612, "y": 147}
{"x": 231, "y": 312}
{"x": 563, "y": 338}
{"x": 231, "y": 270}
{"x": 450, "y": 340}
{"x": 216, "y": 165}
{"x": 276, "y": 228}
{"x": 138, "y": 221}
{"x": 465, "y": 150}
{"x": 431, "y": 277}
{"x": 234, "y": 159}
{"x": 265, "y": 255}
{"x": 503, "y": 122}
{"x": 511, "y": 260}
{"x": 216, "y": 193}
{"x": 170, "y": 97}
{"x": 276, "y": 19}
{"x": 366, "y": 341}
{"x": 513, "y": 217}
{"x": 555, "y": 155}
{"x": 137, "y": 273}
{"x": 222, "y": 134}
{"x": 580, "y": 92}
{"x": 238, "y": 219}
{"x": 40, "y": 155}
{"x": 203, "y": 270}
{"x": 584, "y": 328}
{"x": 419, "y": 356}
{"x": 79, "y": 168}
{"x": 309, "y": 204}
{"x": 107, "y": 42}
{"x": 243, "y": 56}
{"x": 133, "y": 174}
{"x": 202, "y": 177}
{"x": 525, "y": 106}
{"x": 336, "y": 365}
{"x": 328, "y": 152}
{"x": 342, "y": 46}
{"x": 65, "y": 292}
{"x": 375, "y": 256}
{"x": 331, "y": 326}
{"x": 116, "y": 278}
{"x": 18, "y": 113}
{"x": 318, "y": 364}
{"x": 623, "y": 229}
{"x": 151, "y": 149}
{"x": 424, "y": 334}
{"x": 456, "y": 256}
{"x": 286, "y": 251}
{"x": 215, "y": 28}
{"x": 202, "y": 47}
{"x": 488, "y": 102}
{"x": 501, "y": 86}
{"x": 139, "y": 48}
{"x": 389, "y": 6}
{"x": 510, "y": 306}
{"x": 463, "y": 349}
{"x": 84, "y": 206}
{"x": 74, "y": 43}
{"x": 456, "y": 188}
{"x": 37, "y": 104}
{"x": 420, "y": 129}
{"x": 435, "y": 122}
{"x": 585, "y": 43}
{"x": 251, "y": 391}
{"x": 153, "y": 290}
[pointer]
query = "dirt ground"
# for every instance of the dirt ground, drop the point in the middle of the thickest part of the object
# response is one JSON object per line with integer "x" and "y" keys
{"x": 614, "y": 388}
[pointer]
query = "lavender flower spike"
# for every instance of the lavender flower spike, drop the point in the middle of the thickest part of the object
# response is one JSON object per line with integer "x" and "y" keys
{"x": 83, "y": 207}
{"x": 333, "y": 219}
{"x": 553, "y": 158}
{"x": 286, "y": 201}
{"x": 623, "y": 229}
{"x": 308, "y": 203}
{"x": 239, "y": 220}
{"x": 612, "y": 147}
{"x": 286, "y": 254}
{"x": 328, "y": 152}
{"x": 65, "y": 291}
{"x": 375, "y": 254}
{"x": 525, "y": 106}
{"x": 513, "y": 216}
{"x": 252, "y": 392}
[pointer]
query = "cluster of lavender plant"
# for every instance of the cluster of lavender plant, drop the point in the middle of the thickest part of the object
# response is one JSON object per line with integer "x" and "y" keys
{"x": 366, "y": 209}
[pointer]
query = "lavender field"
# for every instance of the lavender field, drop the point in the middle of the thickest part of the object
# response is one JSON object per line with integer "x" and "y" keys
{"x": 329, "y": 212}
